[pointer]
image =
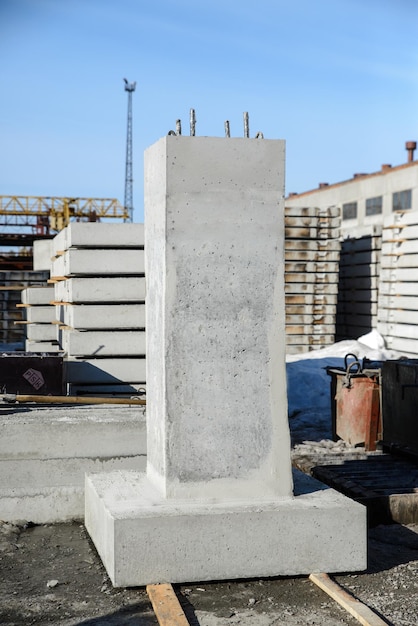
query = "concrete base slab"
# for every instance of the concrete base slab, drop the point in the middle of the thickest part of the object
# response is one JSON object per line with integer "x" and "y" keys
{"x": 43, "y": 505}
{"x": 143, "y": 538}
{"x": 45, "y": 452}
{"x": 52, "y": 490}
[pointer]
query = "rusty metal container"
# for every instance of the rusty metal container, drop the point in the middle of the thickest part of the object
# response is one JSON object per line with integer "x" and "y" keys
{"x": 355, "y": 403}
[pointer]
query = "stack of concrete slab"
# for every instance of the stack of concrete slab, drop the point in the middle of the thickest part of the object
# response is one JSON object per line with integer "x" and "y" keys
{"x": 398, "y": 291}
{"x": 312, "y": 251}
{"x": 359, "y": 284}
{"x": 98, "y": 272}
{"x": 12, "y": 319}
{"x": 41, "y": 332}
{"x": 45, "y": 453}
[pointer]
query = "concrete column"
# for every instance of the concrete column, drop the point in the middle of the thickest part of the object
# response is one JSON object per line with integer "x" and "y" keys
{"x": 217, "y": 403}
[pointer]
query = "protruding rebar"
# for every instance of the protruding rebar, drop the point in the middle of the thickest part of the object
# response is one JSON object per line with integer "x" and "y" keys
{"x": 246, "y": 125}
{"x": 192, "y": 123}
{"x": 227, "y": 129}
{"x": 178, "y": 127}
{"x": 259, "y": 135}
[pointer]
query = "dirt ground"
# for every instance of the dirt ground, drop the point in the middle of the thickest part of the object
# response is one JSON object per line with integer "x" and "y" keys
{"x": 51, "y": 574}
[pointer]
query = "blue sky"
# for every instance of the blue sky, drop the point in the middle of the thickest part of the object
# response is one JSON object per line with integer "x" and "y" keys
{"x": 337, "y": 79}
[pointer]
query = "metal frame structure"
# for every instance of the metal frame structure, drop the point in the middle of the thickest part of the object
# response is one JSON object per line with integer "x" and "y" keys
{"x": 128, "y": 202}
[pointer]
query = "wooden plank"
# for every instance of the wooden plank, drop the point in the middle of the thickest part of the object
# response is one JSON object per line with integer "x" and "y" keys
{"x": 166, "y": 605}
{"x": 360, "y": 611}
{"x": 23, "y": 398}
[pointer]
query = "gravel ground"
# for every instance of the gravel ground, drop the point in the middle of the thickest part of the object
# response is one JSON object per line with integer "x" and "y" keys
{"x": 51, "y": 574}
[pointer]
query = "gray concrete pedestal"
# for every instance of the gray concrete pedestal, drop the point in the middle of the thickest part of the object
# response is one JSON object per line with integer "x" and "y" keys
{"x": 217, "y": 500}
{"x": 143, "y": 538}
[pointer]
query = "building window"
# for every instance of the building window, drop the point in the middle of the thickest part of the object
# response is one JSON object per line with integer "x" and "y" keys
{"x": 350, "y": 211}
{"x": 402, "y": 200}
{"x": 374, "y": 205}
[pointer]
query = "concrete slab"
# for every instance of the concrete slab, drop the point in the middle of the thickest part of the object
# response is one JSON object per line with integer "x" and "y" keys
{"x": 62, "y": 432}
{"x": 40, "y": 314}
{"x": 46, "y": 450}
{"x": 94, "y": 290}
{"x": 112, "y": 389}
{"x": 406, "y": 261}
{"x": 37, "y": 295}
{"x": 102, "y": 316}
{"x": 323, "y": 256}
{"x": 143, "y": 538}
{"x": 42, "y": 254}
{"x": 106, "y": 370}
{"x": 311, "y": 288}
{"x": 41, "y": 332}
{"x": 319, "y": 267}
{"x": 102, "y": 235}
{"x": 103, "y": 343}
{"x": 41, "y": 346}
{"x": 332, "y": 211}
{"x": 395, "y": 274}
{"x": 101, "y": 262}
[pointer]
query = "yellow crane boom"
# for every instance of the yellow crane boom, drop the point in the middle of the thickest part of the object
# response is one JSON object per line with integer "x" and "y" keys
{"x": 48, "y": 213}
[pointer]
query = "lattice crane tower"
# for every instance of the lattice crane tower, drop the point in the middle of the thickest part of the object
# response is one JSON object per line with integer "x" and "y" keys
{"x": 128, "y": 203}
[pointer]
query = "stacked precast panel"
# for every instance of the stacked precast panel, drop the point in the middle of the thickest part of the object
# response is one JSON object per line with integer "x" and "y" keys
{"x": 12, "y": 319}
{"x": 98, "y": 271}
{"x": 312, "y": 250}
{"x": 398, "y": 292}
{"x": 359, "y": 284}
{"x": 41, "y": 328}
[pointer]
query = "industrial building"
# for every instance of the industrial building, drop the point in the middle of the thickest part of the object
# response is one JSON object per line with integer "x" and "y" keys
{"x": 378, "y": 238}
{"x": 366, "y": 199}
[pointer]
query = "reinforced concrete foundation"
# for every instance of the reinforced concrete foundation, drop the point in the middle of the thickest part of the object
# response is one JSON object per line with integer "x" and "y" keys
{"x": 217, "y": 500}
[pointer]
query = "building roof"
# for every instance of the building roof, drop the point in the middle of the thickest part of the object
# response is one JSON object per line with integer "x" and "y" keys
{"x": 385, "y": 169}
